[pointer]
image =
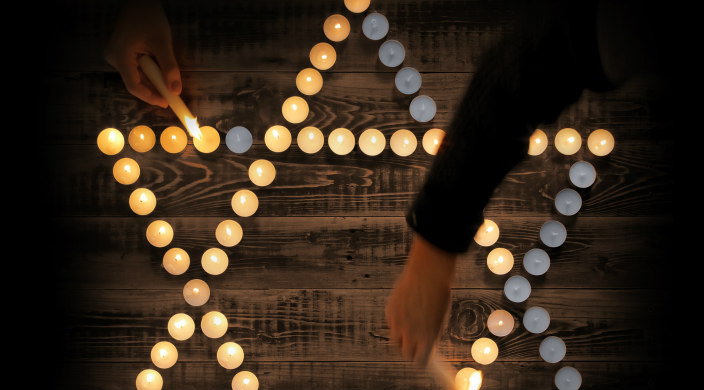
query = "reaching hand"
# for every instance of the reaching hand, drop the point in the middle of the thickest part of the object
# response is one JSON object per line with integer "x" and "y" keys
{"x": 142, "y": 28}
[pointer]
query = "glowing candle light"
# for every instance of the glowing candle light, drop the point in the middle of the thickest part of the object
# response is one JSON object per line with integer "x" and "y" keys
{"x": 181, "y": 326}
{"x": 295, "y": 110}
{"x": 126, "y": 171}
{"x": 517, "y": 288}
{"x": 582, "y": 174}
{"x": 196, "y": 292}
{"x": 536, "y": 261}
{"x": 487, "y": 234}
{"x": 552, "y": 349}
{"x": 403, "y": 142}
{"x": 230, "y": 355}
{"x": 600, "y": 142}
{"x": 164, "y": 354}
{"x": 500, "y": 261}
{"x": 228, "y": 233}
{"x": 468, "y": 379}
{"x": 141, "y": 138}
{"x": 323, "y": 56}
{"x": 176, "y": 261}
{"x": 309, "y": 81}
{"x": 110, "y": 141}
{"x": 142, "y": 201}
{"x": 568, "y": 141}
{"x": 336, "y": 27}
{"x": 277, "y": 138}
{"x": 553, "y": 234}
{"x": 484, "y": 350}
{"x": 341, "y": 141}
{"x": 208, "y": 141}
{"x": 500, "y": 323}
{"x": 568, "y": 202}
{"x": 536, "y": 319}
{"x": 408, "y": 80}
{"x": 160, "y": 233}
{"x": 173, "y": 139}
{"x": 372, "y": 142}
{"x": 422, "y": 108}
{"x": 568, "y": 378}
{"x": 432, "y": 139}
{"x": 262, "y": 172}
{"x": 214, "y": 324}
{"x": 245, "y": 380}
{"x": 215, "y": 260}
{"x": 538, "y": 143}
{"x": 392, "y": 53}
{"x": 357, "y": 6}
{"x": 244, "y": 203}
{"x": 238, "y": 139}
{"x": 375, "y": 26}
{"x": 149, "y": 380}
{"x": 310, "y": 139}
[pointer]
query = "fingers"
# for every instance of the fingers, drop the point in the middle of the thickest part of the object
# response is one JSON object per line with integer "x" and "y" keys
{"x": 135, "y": 81}
{"x": 169, "y": 67}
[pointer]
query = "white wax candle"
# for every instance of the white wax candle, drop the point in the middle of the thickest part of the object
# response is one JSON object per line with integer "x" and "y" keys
{"x": 403, "y": 142}
{"x": 582, "y": 174}
{"x": 215, "y": 260}
{"x": 141, "y": 138}
{"x": 536, "y": 319}
{"x": 500, "y": 261}
{"x": 536, "y": 261}
{"x": 173, "y": 139}
{"x": 295, "y": 109}
{"x": 196, "y": 292}
{"x": 142, "y": 201}
{"x": 245, "y": 380}
{"x": 372, "y": 142}
{"x": 422, "y": 108}
{"x": 208, "y": 141}
{"x": 392, "y": 53}
{"x": 181, "y": 326}
{"x": 600, "y": 142}
{"x": 309, "y": 81}
{"x": 160, "y": 233}
{"x": 500, "y": 323}
{"x": 408, "y": 80}
{"x": 245, "y": 203}
{"x": 568, "y": 378}
{"x": 375, "y": 26}
{"x": 538, "y": 143}
{"x": 553, "y": 234}
{"x": 228, "y": 233}
{"x": 277, "y": 138}
{"x": 310, "y": 139}
{"x": 336, "y": 27}
{"x": 262, "y": 172}
{"x": 568, "y": 141}
{"x": 552, "y": 349}
{"x": 341, "y": 141}
{"x": 432, "y": 139}
{"x": 487, "y": 234}
{"x": 230, "y": 355}
{"x": 357, "y": 6}
{"x": 517, "y": 288}
{"x": 149, "y": 380}
{"x": 214, "y": 324}
{"x": 176, "y": 261}
{"x": 323, "y": 56}
{"x": 484, "y": 350}
{"x": 164, "y": 354}
{"x": 568, "y": 202}
{"x": 238, "y": 139}
{"x": 111, "y": 141}
{"x": 126, "y": 171}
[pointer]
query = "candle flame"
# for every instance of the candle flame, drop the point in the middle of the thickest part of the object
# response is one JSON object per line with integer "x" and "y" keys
{"x": 143, "y": 198}
{"x": 324, "y": 56}
{"x": 178, "y": 257}
{"x": 405, "y": 141}
{"x": 537, "y": 140}
{"x": 487, "y": 350}
{"x": 337, "y": 25}
{"x": 246, "y": 381}
{"x": 242, "y": 199}
{"x": 435, "y": 141}
{"x": 489, "y": 229}
{"x": 180, "y": 324}
{"x": 217, "y": 320}
{"x": 141, "y": 136}
{"x": 475, "y": 380}
{"x": 570, "y": 140}
{"x": 193, "y": 128}
{"x": 214, "y": 258}
{"x": 195, "y": 290}
{"x": 501, "y": 259}
{"x": 163, "y": 353}
{"x": 309, "y": 79}
{"x": 111, "y": 136}
{"x": 603, "y": 142}
{"x": 229, "y": 231}
{"x": 501, "y": 323}
{"x": 294, "y": 107}
{"x": 340, "y": 139}
{"x": 150, "y": 377}
{"x": 373, "y": 139}
{"x": 311, "y": 135}
{"x": 276, "y": 133}
{"x": 162, "y": 230}
{"x": 128, "y": 168}
{"x": 259, "y": 171}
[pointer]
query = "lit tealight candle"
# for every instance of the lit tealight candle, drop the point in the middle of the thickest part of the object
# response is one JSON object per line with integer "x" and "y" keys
{"x": 230, "y": 355}
{"x": 295, "y": 109}
{"x": 536, "y": 319}
{"x": 173, "y": 139}
{"x": 375, "y": 26}
{"x": 181, "y": 326}
{"x": 244, "y": 203}
{"x": 341, "y": 141}
{"x": 568, "y": 378}
{"x": 309, "y": 81}
{"x": 262, "y": 172}
{"x": 310, "y": 139}
{"x": 149, "y": 380}
{"x": 538, "y": 143}
{"x": 214, "y": 324}
{"x": 209, "y": 140}
{"x": 517, "y": 288}
{"x": 568, "y": 202}
{"x": 126, "y": 171}
{"x": 484, "y": 350}
{"x": 196, "y": 292}
{"x": 536, "y": 261}
{"x": 228, "y": 233}
{"x": 500, "y": 261}
{"x": 600, "y": 142}
{"x": 277, "y": 138}
{"x": 142, "y": 201}
{"x": 487, "y": 234}
{"x": 392, "y": 53}
{"x": 568, "y": 141}
{"x": 500, "y": 323}
{"x": 160, "y": 233}
{"x": 372, "y": 142}
{"x": 357, "y": 6}
{"x": 164, "y": 354}
{"x": 111, "y": 141}
{"x": 408, "y": 80}
{"x": 403, "y": 142}
{"x": 336, "y": 27}
{"x": 553, "y": 234}
{"x": 552, "y": 349}
{"x": 215, "y": 260}
{"x": 582, "y": 174}
{"x": 422, "y": 108}
{"x": 238, "y": 139}
{"x": 245, "y": 380}
{"x": 176, "y": 261}
{"x": 432, "y": 139}
{"x": 323, "y": 56}
{"x": 468, "y": 379}
{"x": 141, "y": 138}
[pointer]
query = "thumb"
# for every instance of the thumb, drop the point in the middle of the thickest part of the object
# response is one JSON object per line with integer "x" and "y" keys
{"x": 169, "y": 67}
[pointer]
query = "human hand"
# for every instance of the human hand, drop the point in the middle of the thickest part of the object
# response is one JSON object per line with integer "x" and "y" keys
{"x": 420, "y": 300}
{"x": 142, "y": 28}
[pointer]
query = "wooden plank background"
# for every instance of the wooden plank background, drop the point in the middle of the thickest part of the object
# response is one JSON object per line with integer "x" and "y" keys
{"x": 306, "y": 287}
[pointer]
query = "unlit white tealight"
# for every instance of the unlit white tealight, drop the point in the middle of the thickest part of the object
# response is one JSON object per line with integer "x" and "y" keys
{"x": 408, "y": 80}
{"x": 375, "y": 26}
{"x": 568, "y": 202}
{"x": 536, "y": 319}
{"x": 517, "y": 288}
{"x": 568, "y": 378}
{"x": 553, "y": 234}
{"x": 552, "y": 349}
{"x": 422, "y": 108}
{"x": 536, "y": 261}
{"x": 582, "y": 174}
{"x": 392, "y": 53}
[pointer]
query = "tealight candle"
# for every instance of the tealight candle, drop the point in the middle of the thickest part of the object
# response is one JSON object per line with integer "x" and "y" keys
{"x": 487, "y": 234}
{"x": 309, "y": 81}
{"x": 372, "y": 142}
{"x": 517, "y": 288}
{"x": 228, "y": 233}
{"x": 403, "y": 142}
{"x": 408, "y": 80}
{"x": 568, "y": 378}
{"x": 323, "y": 56}
{"x": 536, "y": 261}
{"x": 341, "y": 141}
{"x": 214, "y": 324}
{"x": 392, "y": 53}
{"x": 422, "y": 108}
{"x": 500, "y": 323}
{"x": 310, "y": 139}
{"x": 142, "y": 201}
{"x": 295, "y": 109}
{"x": 238, "y": 139}
{"x": 484, "y": 350}
{"x": 536, "y": 319}
{"x": 600, "y": 142}
{"x": 336, "y": 27}
{"x": 553, "y": 234}
{"x": 432, "y": 139}
{"x": 181, "y": 326}
{"x": 277, "y": 138}
{"x": 176, "y": 261}
{"x": 141, "y": 138}
{"x": 149, "y": 380}
{"x": 215, "y": 260}
{"x": 375, "y": 26}
{"x": 164, "y": 354}
{"x": 230, "y": 355}
{"x": 468, "y": 379}
{"x": 500, "y": 261}
{"x": 568, "y": 202}
{"x": 160, "y": 233}
{"x": 173, "y": 139}
{"x": 196, "y": 292}
{"x": 245, "y": 380}
{"x": 357, "y": 6}
{"x": 262, "y": 172}
{"x": 552, "y": 349}
{"x": 126, "y": 171}
{"x": 110, "y": 141}
{"x": 582, "y": 174}
{"x": 244, "y": 203}
{"x": 538, "y": 143}
{"x": 568, "y": 141}
{"x": 209, "y": 140}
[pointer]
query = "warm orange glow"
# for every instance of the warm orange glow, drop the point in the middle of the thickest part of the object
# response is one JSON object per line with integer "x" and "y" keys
{"x": 475, "y": 381}
{"x": 192, "y": 127}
